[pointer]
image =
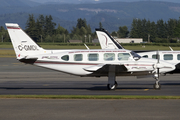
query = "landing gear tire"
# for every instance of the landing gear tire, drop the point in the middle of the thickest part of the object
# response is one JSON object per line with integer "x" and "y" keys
{"x": 157, "y": 86}
{"x": 112, "y": 87}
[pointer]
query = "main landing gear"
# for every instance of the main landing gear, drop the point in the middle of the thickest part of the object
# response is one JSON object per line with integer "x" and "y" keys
{"x": 112, "y": 84}
{"x": 112, "y": 87}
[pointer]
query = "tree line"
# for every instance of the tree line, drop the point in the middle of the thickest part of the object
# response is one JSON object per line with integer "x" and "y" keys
{"x": 159, "y": 32}
{"x": 43, "y": 29}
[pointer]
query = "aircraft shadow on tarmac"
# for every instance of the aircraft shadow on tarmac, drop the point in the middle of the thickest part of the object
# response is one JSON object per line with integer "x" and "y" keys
{"x": 96, "y": 87}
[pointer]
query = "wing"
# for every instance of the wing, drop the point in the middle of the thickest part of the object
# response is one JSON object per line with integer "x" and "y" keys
{"x": 103, "y": 69}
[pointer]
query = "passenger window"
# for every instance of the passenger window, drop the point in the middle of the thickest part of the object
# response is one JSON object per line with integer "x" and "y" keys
{"x": 109, "y": 56}
{"x": 178, "y": 56}
{"x": 93, "y": 57}
{"x": 145, "y": 56}
{"x": 168, "y": 57}
{"x": 65, "y": 57}
{"x": 123, "y": 56}
{"x": 155, "y": 56}
{"x": 78, "y": 57}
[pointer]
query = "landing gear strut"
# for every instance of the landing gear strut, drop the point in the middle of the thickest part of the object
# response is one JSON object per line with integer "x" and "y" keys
{"x": 157, "y": 85}
{"x": 112, "y": 84}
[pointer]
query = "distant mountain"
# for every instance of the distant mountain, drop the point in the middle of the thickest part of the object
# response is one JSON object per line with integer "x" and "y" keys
{"x": 96, "y": 1}
{"x": 112, "y": 15}
{"x": 18, "y": 3}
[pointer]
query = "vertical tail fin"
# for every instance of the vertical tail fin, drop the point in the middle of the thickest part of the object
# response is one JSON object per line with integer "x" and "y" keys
{"x": 23, "y": 45}
{"x": 106, "y": 41}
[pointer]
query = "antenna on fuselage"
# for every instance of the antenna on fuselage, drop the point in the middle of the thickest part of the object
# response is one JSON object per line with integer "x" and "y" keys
{"x": 171, "y": 48}
{"x": 86, "y": 46}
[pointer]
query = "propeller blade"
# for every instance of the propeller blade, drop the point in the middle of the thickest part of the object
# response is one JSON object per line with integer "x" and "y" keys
{"x": 158, "y": 72}
{"x": 158, "y": 59}
{"x": 157, "y": 56}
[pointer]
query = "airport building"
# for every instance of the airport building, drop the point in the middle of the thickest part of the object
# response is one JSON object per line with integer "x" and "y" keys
{"x": 129, "y": 40}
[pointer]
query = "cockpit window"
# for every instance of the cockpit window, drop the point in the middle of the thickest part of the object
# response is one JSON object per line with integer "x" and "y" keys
{"x": 135, "y": 55}
{"x": 155, "y": 56}
{"x": 65, "y": 57}
{"x": 123, "y": 56}
{"x": 145, "y": 56}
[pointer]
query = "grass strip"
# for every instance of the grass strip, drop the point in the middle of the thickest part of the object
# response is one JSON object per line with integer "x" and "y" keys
{"x": 87, "y": 97}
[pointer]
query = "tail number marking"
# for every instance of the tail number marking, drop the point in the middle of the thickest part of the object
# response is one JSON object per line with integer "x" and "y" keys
{"x": 27, "y": 47}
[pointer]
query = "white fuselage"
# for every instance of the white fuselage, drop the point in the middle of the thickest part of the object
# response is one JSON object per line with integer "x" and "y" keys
{"x": 85, "y": 62}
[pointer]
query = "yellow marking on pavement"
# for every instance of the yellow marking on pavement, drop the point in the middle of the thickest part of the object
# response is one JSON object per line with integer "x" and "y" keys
{"x": 5, "y": 65}
{"x": 16, "y": 63}
{"x": 146, "y": 89}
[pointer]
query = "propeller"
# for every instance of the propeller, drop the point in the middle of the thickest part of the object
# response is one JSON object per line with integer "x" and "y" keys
{"x": 157, "y": 66}
{"x": 157, "y": 86}
{"x": 157, "y": 56}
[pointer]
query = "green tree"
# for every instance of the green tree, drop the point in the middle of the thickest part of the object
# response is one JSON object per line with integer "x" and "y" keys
{"x": 42, "y": 24}
{"x": 49, "y": 27}
{"x": 123, "y": 32}
{"x": 134, "y": 29}
{"x": 4, "y": 35}
{"x": 177, "y": 31}
{"x": 82, "y": 31}
{"x": 60, "y": 30}
{"x": 39, "y": 30}
{"x": 171, "y": 25}
{"x": 153, "y": 33}
{"x": 31, "y": 28}
{"x": 114, "y": 33}
{"x": 161, "y": 29}
{"x": 81, "y": 23}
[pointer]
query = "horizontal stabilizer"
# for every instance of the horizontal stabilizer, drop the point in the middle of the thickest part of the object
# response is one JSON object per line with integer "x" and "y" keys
{"x": 28, "y": 60}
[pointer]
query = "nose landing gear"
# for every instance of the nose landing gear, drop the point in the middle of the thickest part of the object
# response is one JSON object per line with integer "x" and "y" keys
{"x": 157, "y": 85}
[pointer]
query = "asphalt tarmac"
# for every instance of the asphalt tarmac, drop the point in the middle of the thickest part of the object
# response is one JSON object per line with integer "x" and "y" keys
{"x": 17, "y": 78}
{"x": 48, "y": 109}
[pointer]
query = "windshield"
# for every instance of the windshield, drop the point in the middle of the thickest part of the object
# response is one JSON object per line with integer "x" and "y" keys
{"x": 135, "y": 55}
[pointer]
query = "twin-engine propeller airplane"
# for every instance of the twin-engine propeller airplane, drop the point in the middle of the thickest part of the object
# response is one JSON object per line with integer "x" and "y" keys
{"x": 93, "y": 63}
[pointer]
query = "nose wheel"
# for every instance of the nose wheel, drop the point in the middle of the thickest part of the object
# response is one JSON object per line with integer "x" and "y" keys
{"x": 157, "y": 85}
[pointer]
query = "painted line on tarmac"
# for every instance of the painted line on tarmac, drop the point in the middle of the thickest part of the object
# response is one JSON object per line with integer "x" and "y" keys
{"x": 16, "y": 63}
{"x": 146, "y": 89}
